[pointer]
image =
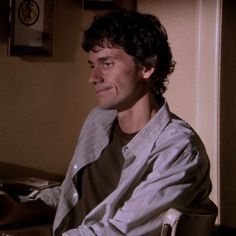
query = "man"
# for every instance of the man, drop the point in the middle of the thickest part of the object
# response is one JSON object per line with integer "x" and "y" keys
{"x": 134, "y": 158}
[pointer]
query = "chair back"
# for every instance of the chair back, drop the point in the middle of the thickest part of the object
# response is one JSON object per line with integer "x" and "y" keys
{"x": 189, "y": 222}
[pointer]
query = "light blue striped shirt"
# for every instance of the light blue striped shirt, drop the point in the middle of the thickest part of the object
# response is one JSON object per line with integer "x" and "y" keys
{"x": 166, "y": 165}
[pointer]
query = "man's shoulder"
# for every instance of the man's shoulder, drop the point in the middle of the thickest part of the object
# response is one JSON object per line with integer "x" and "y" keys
{"x": 171, "y": 125}
{"x": 179, "y": 131}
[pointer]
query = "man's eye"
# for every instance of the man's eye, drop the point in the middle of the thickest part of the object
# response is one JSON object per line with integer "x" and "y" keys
{"x": 108, "y": 64}
{"x": 91, "y": 66}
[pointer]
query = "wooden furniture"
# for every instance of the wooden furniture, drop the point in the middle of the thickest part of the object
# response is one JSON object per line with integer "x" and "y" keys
{"x": 8, "y": 171}
{"x": 39, "y": 230}
{"x": 190, "y": 222}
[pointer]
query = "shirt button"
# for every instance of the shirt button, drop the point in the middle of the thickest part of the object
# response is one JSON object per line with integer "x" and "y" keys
{"x": 75, "y": 195}
{"x": 75, "y": 167}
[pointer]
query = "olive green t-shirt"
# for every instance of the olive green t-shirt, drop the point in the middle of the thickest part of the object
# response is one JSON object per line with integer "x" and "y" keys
{"x": 100, "y": 178}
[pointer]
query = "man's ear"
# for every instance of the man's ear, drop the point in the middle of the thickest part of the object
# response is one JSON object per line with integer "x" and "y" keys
{"x": 147, "y": 72}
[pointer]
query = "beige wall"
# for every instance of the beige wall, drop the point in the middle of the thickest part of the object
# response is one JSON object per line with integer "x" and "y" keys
{"x": 43, "y": 101}
{"x": 180, "y": 20}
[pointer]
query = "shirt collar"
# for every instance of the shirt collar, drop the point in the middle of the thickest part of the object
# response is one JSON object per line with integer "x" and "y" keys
{"x": 148, "y": 135}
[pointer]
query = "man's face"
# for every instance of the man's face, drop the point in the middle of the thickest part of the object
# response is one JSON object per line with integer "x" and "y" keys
{"x": 117, "y": 81}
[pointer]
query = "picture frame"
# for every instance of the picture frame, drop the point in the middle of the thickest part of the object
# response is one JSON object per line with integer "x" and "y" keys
{"x": 31, "y": 27}
{"x": 108, "y": 4}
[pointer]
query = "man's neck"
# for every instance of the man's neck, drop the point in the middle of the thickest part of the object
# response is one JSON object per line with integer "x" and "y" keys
{"x": 136, "y": 117}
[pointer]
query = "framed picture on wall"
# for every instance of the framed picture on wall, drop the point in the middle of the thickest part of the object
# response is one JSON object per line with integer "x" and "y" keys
{"x": 31, "y": 27}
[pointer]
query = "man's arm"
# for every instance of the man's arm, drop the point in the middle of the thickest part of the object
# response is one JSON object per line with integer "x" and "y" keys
{"x": 13, "y": 212}
{"x": 179, "y": 182}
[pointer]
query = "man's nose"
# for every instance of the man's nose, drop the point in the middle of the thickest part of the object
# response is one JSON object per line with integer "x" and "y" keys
{"x": 95, "y": 75}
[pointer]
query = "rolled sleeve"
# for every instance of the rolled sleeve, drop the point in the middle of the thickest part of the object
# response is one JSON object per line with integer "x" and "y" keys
{"x": 97, "y": 229}
{"x": 50, "y": 196}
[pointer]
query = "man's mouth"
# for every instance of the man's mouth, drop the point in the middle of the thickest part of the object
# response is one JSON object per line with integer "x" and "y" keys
{"x": 102, "y": 88}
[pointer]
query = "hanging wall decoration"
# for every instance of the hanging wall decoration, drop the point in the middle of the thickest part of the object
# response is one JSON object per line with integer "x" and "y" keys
{"x": 31, "y": 27}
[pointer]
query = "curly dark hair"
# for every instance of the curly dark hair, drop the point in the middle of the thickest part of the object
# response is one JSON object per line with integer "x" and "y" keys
{"x": 142, "y": 36}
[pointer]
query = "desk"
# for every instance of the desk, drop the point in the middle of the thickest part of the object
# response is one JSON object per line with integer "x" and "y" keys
{"x": 39, "y": 230}
{"x": 8, "y": 171}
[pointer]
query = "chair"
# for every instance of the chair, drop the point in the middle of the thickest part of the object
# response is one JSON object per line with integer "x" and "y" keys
{"x": 189, "y": 222}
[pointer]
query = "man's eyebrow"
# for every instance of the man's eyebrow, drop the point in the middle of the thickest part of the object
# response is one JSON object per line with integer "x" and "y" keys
{"x": 101, "y": 59}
